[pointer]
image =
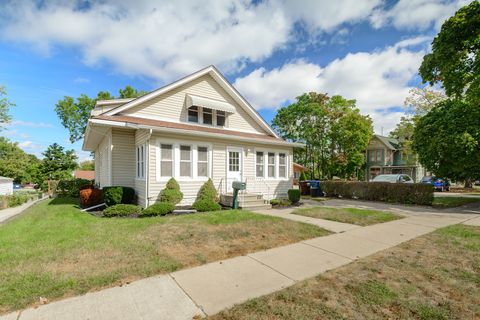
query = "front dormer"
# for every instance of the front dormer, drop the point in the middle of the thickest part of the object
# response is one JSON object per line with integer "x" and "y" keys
{"x": 208, "y": 112}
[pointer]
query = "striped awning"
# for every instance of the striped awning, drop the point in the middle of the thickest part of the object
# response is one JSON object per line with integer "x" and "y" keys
{"x": 193, "y": 100}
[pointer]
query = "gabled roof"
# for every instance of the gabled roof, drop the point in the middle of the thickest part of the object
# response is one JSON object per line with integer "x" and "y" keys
{"x": 391, "y": 143}
{"x": 217, "y": 76}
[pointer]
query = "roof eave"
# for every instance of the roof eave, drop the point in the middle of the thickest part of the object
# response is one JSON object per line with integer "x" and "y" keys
{"x": 102, "y": 122}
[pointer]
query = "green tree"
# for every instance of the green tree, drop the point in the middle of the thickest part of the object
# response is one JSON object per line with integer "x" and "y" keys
{"x": 5, "y": 106}
{"x": 87, "y": 165}
{"x": 17, "y": 164}
{"x": 130, "y": 92}
{"x": 74, "y": 113}
{"x": 403, "y": 132}
{"x": 447, "y": 140}
{"x": 334, "y": 131}
{"x": 452, "y": 149}
{"x": 454, "y": 61}
{"x": 58, "y": 163}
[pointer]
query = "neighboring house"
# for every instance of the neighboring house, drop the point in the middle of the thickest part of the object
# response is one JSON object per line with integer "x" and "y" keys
{"x": 196, "y": 128}
{"x": 297, "y": 171}
{"x": 6, "y": 186}
{"x": 84, "y": 174}
{"x": 385, "y": 156}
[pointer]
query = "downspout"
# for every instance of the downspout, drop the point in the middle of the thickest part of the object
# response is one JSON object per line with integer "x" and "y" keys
{"x": 147, "y": 170}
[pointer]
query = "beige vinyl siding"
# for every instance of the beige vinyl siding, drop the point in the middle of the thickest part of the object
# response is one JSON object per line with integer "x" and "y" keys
{"x": 171, "y": 105}
{"x": 276, "y": 188}
{"x": 123, "y": 157}
{"x": 103, "y": 159}
{"x": 141, "y": 137}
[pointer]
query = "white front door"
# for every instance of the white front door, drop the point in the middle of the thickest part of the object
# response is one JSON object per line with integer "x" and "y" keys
{"x": 234, "y": 166}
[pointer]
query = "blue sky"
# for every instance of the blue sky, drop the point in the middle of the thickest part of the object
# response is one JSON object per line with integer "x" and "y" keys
{"x": 272, "y": 51}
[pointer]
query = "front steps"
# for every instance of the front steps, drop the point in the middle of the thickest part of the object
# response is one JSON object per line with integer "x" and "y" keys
{"x": 247, "y": 201}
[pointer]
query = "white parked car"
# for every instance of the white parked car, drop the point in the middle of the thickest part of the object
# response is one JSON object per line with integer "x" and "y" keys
{"x": 393, "y": 178}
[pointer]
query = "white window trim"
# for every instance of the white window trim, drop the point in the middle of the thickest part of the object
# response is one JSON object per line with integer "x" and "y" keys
{"x": 277, "y": 164}
{"x": 180, "y": 160}
{"x": 143, "y": 149}
{"x": 158, "y": 155}
{"x": 176, "y": 159}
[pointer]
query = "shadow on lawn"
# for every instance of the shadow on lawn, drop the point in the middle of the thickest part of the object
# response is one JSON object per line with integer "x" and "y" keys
{"x": 64, "y": 201}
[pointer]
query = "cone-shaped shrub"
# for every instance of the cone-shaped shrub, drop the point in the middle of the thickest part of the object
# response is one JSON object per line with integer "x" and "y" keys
{"x": 207, "y": 198}
{"x": 171, "y": 193}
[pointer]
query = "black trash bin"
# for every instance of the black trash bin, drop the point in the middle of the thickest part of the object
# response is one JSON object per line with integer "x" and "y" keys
{"x": 315, "y": 188}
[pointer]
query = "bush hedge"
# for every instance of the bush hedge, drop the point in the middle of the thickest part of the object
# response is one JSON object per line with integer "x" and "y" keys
{"x": 207, "y": 198}
{"x": 158, "y": 209}
{"x": 71, "y": 188}
{"x": 90, "y": 197}
{"x": 122, "y": 210}
{"x": 118, "y": 195}
{"x": 405, "y": 193}
{"x": 171, "y": 193}
{"x": 294, "y": 195}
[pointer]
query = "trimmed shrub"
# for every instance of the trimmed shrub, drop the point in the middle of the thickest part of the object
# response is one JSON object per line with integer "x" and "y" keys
{"x": 405, "y": 193}
{"x": 158, "y": 209}
{"x": 208, "y": 192}
{"x": 90, "y": 197}
{"x": 207, "y": 198}
{"x": 204, "y": 205}
{"x": 280, "y": 202}
{"x": 294, "y": 195}
{"x": 122, "y": 210}
{"x": 71, "y": 188}
{"x": 117, "y": 195}
{"x": 171, "y": 193}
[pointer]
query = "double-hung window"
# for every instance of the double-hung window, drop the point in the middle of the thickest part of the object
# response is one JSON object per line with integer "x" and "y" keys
{"x": 166, "y": 160}
{"x": 271, "y": 165}
{"x": 140, "y": 157}
{"x": 207, "y": 116}
{"x": 221, "y": 116}
{"x": 282, "y": 165}
{"x": 193, "y": 114}
{"x": 202, "y": 162}
{"x": 185, "y": 161}
{"x": 260, "y": 164}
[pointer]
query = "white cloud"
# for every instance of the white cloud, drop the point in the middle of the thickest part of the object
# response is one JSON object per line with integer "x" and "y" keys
{"x": 416, "y": 14}
{"x": 172, "y": 38}
{"x": 327, "y": 15}
{"x": 377, "y": 80}
{"x": 31, "y": 124}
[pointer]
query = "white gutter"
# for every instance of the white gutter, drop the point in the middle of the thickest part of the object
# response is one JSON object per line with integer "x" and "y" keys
{"x": 197, "y": 133}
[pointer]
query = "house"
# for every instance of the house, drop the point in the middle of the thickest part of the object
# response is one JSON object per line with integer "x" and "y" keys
{"x": 196, "y": 128}
{"x": 6, "y": 186}
{"x": 385, "y": 155}
{"x": 84, "y": 174}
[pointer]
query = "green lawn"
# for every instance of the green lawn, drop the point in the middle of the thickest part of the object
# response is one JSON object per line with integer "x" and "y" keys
{"x": 436, "y": 276}
{"x": 54, "y": 250}
{"x": 361, "y": 217}
{"x": 449, "y": 202}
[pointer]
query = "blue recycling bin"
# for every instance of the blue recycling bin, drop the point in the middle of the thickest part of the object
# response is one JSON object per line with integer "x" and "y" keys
{"x": 315, "y": 190}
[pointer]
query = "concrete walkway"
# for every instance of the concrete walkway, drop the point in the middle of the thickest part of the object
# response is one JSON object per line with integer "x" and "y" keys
{"x": 322, "y": 223}
{"x": 208, "y": 289}
{"x": 7, "y": 214}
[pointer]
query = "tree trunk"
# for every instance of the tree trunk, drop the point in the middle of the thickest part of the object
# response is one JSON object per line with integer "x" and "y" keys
{"x": 468, "y": 184}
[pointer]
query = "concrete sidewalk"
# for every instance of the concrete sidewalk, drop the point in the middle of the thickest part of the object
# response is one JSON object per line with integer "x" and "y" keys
{"x": 9, "y": 213}
{"x": 208, "y": 289}
{"x": 322, "y": 223}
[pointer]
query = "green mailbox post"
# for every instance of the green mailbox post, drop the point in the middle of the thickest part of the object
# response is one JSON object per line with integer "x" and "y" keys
{"x": 237, "y": 186}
